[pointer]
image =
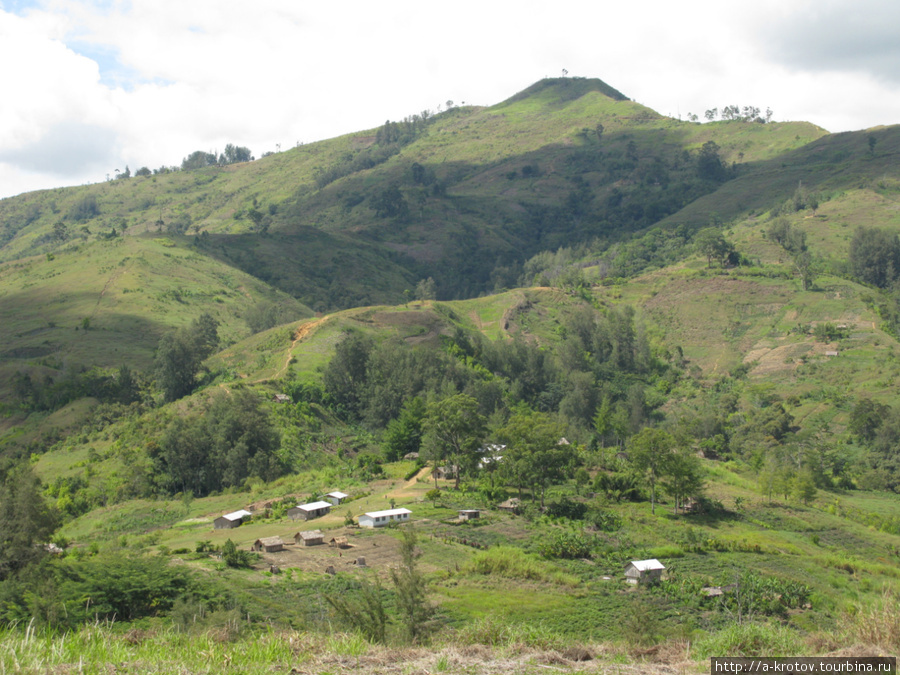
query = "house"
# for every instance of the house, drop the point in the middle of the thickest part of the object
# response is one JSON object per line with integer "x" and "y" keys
{"x": 512, "y": 505}
{"x": 230, "y": 520}
{"x": 282, "y": 398}
{"x": 268, "y": 544}
{"x": 309, "y": 538}
{"x": 309, "y": 511}
{"x": 382, "y": 518}
{"x": 831, "y": 353}
{"x": 644, "y": 571}
{"x": 335, "y": 498}
{"x": 469, "y": 514}
{"x": 339, "y": 542}
{"x": 445, "y": 472}
{"x": 411, "y": 455}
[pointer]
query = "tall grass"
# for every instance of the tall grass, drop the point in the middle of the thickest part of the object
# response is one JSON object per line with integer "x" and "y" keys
{"x": 514, "y": 563}
{"x": 751, "y": 639}
{"x": 875, "y": 624}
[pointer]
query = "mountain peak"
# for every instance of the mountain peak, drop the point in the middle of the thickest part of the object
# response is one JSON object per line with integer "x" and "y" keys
{"x": 566, "y": 89}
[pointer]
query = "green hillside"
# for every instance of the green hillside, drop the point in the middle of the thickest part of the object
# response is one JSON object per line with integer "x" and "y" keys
{"x": 668, "y": 340}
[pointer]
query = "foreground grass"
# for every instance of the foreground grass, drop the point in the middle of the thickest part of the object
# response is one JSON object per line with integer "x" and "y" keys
{"x": 488, "y": 645}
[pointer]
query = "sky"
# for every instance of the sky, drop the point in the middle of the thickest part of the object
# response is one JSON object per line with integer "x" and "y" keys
{"x": 88, "y": 87}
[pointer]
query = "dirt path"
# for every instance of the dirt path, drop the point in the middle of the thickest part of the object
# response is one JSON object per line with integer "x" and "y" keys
{"x": 302, "y": 333}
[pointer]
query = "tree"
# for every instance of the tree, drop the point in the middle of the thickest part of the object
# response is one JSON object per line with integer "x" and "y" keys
{"x": 533, "y": 455}
{"x": 198, "y": 160}
{"x": 683, "y": 475}
{"x": 180, "y": 355}
{"x": 409, "y": 584}
{"x": 404, "y": 433}
{"x": 26, "y": 522}
{"x": 709, "y": 164}
{"x": 650, "y": 452}
{"x": 875, "y": 256}
{"x": 234, "y": 154}
{"x": 454, "y": 430}
{"x": 712, "y": 243}
{"x": 425, "y": 290}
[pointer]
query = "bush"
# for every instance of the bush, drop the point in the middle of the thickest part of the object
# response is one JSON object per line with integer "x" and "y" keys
{"x": 567, "y": 545}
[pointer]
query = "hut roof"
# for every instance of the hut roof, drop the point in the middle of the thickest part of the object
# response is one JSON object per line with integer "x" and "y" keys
{"x": 236, "y": 515}
{"x": 389, "y": 512}
{"x": 647, "y": 565}
{"x": 337, "y": 495}
{"x": 270, "y": 541}
{"x": 311, "y": 534}
{"x": 315, "y": 506}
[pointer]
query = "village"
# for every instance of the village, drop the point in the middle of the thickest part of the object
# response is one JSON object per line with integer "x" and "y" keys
{"x": 340, "y": 545}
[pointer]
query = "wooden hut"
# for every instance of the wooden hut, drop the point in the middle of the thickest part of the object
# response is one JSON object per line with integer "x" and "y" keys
{"x": 644, "y": 571}
{"x": 339, "y": 542}
{"x": 268, "y": 544}
{"x": 309, "y": 538}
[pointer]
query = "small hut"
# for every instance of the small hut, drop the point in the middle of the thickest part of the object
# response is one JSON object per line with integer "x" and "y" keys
{"x": 268, "y": 544}
{"x": 512, "y": 505}
{"x": 309, "y": 538}
{"x": 283, "y": 398}
{"x": 309, "y": 511}
{"x": 644, "y": 571}
{"x": 230, "y": 520}
{"x": 339, "y": 542}
{"x": 469, "y": 514}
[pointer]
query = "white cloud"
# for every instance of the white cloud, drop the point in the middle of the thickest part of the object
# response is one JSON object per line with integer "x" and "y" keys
{"x": 156, "y": 79}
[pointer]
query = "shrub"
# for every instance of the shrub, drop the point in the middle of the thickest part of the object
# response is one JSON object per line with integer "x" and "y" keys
{"x": 567, "y": 545}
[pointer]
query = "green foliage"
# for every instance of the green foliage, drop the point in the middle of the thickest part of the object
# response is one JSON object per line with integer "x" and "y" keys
{"x": 26, "y": 522}
{"x": 875, "y": 256}
{"x": 364, "y": 611}
{"x": 235, "y": 557}
{"x": 409, "y": 585}
{"x": 453, "y": 431}
{"x": 567, "y": 545}
{"x": 233, "y": 439}
{"x": 180, "y": 355}
{"x": 514, "y": 563}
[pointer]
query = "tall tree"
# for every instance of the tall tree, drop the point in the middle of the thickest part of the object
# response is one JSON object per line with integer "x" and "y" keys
{"x": 26, "y": 522}
{"x": 650, "y": 452}
{"x": 454, "y": 430}
{"x": 180, "y": 355}
{"x": 533, "y": 455}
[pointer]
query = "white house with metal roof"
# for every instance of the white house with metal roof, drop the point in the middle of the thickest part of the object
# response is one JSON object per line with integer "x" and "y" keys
{"x": 644, "y": 571}
{"x": 382, "y": 518}
{"x": 335, "y": 497}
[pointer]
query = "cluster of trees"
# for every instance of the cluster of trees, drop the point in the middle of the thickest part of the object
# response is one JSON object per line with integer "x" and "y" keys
{"x": 233, "y": 439}
{"x": 180, "y": 355}
{"x": 793, "y": 241}
{"x": 875, "y": 256}
{"x": 747, "y": 113}
{"x": 232, "y": 154}
{"x": 54, "y": 392}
